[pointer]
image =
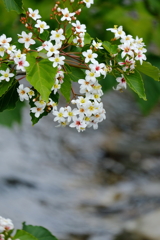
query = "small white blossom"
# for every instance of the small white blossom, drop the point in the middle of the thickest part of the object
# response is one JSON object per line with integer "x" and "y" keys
{"x": 97, "y": 45}
{"x": 2, "y": 51}
{"x": 51, "y": 49}
{"x": 66, "y": 15}
{"x": 37, "y": 110}
{"x": 34, "y": 14}
{"x": 4, "y": 41}
{"x": 79, "y": 27}
{"x": 79, "y": 124}
{"x": 57, "y": 35}
{"x": 23, "y": 92}
{"x": 57, "y": 60}
{"x": 6, "y": 75}
{"x": 88, "y": 3}
{"x": 21, "y": 63}
{"x": 26, "y": 39}
{"x": 5, "y": 224}
{"x": 89, "y": 56}
{"x": 41, "y": 25}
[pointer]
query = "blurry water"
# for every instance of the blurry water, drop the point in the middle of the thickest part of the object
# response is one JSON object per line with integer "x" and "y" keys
{"x": 53, "y": 176}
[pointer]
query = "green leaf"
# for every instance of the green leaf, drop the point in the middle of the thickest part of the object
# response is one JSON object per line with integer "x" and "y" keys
{"x": 107, "y": 83}
{"x": 44, "y": 36}
{"x": 39, "y": 232}
{"x": 152, "y": 89}
{"x": 41, "y": 75}
{"x": 66, "y": 88}
{"x": 87, "y": 39}
{"x": 135, "y": 82}
{"x": 23, "y": 235}
{"x": 14, "y": 5}
{"x": 9, "y": 99}
{"x": 4, "y": 86}
{"x": 75, "y": 73}
{"x": 10, "y": 117}
{"x": 149, "y": 70}
{"x": 112, "y": 49}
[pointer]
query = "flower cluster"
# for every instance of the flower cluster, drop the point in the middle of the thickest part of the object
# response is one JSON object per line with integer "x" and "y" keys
{"x": 5, "y": 225}
{"x": 131, "y": 50}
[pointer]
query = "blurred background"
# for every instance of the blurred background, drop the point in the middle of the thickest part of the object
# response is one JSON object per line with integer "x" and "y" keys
{"x": 96, "y": 185}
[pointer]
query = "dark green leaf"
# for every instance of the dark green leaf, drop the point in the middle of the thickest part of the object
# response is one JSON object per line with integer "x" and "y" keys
{"x": 87, "y": 39}
{"x": 4, "y": 86}
{"x": 152, "y": 89}
{"x": 149, "y": 70}
{"x": 15, "y": 5}
{"x": 44, "y": 36}
{"x": 9, "y": 99}
{"x": 75, "y": 73}
{"x": 135, "y": 82}
{"x": 107, "y": 83}
{"x": 10, "y": 117}
{"x": 66, "y": 88}
{"x": 112, "y": 49}
{"x": 41, "y": 75}
{"x": 40, "y": 233}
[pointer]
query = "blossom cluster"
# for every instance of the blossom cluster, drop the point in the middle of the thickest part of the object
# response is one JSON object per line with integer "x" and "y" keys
{"x": 5, "y": 225}
{"x": 89, "y": 109}
{"x": 131, "y": 50}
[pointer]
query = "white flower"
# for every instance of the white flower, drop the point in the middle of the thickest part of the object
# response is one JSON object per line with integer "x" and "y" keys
{"x": 23, "y": 92}
{"x": 57, "y": 35}
{"x": 91, "y": 76}
{"x": 60, "y": 115}
{"x": 52, "y": 104}
{"x": 88, "y": 3}
{"x": 66, "y": 15}
{"x": 31, "y": 93}
{"x": 140, "y": 56}
{"x": 17, "y": 54}
{"x": 6, "y": 75}
{"x": 89, "y": 56}
{"x": 40, "y": 103}
{"x": 51, "y": 49}
{"x": 129, "y": 39}
{"x": 21, "y": 63}
{"x": 97, "y": 45}
{"x": 127, "y": 49}
{"x": 79, "y": 27}
{"x": 69, "y": 113}
{"x": 4, "y": 41}
{"x": 57, "y": 60}
{"x": 5, "y": 224}
{"x": 119, "y": 33}
{"x": 85, "y": 86}
{"x": 26, "y": 39}
{"x": 56, "y": 86}
{"x": 2, "y": 51}
{"x": 34, "y": 14}
{"x": 128, "y": 64}
{"x": 122, "y": 83}
{"x": 44, "y": 44}
{"x": 41, "y": 25}
{"x": 10, "y": 49}
{"x": 37, "y": 110}
{"x": 79, "y": 124}
{"x": 98, "y": 68}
